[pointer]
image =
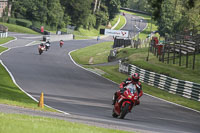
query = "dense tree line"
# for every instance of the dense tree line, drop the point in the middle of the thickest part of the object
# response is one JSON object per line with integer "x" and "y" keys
{"x": 59, "y": 13}
{"x": 176, "y": 16}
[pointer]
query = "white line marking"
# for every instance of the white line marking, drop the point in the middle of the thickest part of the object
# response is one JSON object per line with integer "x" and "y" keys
{"x": 9, "y": 41}
{"x": 13, "y": 79}
{"x": 117, "y": 84}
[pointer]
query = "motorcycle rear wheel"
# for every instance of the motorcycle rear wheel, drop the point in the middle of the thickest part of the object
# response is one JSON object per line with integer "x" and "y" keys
{"x": 124, "y": 111}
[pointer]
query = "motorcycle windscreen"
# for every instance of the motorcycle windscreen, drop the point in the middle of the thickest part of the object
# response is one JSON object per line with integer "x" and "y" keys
{"x": 132, "y": 88}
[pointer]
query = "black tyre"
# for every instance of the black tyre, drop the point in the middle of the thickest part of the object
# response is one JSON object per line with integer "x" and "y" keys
{"x": 40, "y": 51}
{"x": 114, "y": 114}
{"x": 124, "y": 111}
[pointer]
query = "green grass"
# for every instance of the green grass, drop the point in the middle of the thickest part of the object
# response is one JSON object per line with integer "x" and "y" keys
{"x": 18, "y": 29}
{"x": 2, "y": 49}
{"x": 114, "y": 21}
{"x": 6, "y": 39}
{"x": 10, "y": 94}
{"x": 138, "y": 57}
{"x": 93, "y": 33}
{"x": 35, "y": 124}
{"x": 98, "y": 52}
{"x": 121, "y": 23}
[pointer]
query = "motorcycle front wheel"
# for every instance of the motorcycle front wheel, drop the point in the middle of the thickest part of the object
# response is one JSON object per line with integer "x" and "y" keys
{"x": 124, "y": 111}
{"x": 40, "y": 51}
{"x": 114, "y": 114}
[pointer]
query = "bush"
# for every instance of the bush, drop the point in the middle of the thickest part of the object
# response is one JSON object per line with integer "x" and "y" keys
{"x": 23, "y": 22}
{"x": 12, "y": 20}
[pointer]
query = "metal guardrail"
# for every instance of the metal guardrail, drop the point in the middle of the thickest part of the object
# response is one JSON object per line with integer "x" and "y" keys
{"x": 186, "y": 89}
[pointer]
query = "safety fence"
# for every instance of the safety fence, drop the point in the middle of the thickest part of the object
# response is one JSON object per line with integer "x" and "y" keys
{"x": 3, "y": 34}
{"x": 186, "y": 89}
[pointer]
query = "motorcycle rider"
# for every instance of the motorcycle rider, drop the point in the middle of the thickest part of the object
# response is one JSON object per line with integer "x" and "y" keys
{"x": 134, "y": 79}
{"x": 41, "y": 46}
{"x": 61, "y": 43}
{"x": 47, "y": 45}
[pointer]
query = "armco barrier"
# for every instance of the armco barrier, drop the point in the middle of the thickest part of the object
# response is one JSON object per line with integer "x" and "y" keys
{"x": 184, "y": 88}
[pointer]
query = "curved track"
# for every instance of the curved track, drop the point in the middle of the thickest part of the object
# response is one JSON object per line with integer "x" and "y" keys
{"x": 70, "y": 88}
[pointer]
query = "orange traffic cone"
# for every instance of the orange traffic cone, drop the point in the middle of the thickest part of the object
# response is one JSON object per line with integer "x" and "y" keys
{"x": 41, "y": 102}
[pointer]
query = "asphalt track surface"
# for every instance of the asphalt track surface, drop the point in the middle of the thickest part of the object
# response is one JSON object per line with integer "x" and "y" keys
{"x": 74, "y": 90}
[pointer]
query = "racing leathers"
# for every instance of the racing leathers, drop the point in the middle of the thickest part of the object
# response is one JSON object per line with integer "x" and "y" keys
{"x": 122, "y": 87}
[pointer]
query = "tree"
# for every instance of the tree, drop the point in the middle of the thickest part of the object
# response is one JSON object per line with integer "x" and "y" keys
{"x": 113, "y": 7}
{"x": 78, "y": 10}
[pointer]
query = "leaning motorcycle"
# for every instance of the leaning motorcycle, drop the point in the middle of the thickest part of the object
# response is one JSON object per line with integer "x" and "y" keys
{"x": 125, "y": 102}
{"x": 61, "y": 43}
{"x": 47, "y": 46}
{"x": 41, "y": 49}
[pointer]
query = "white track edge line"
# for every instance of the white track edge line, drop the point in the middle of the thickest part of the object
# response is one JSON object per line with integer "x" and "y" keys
{"x": 117, "y": 84}
{"x": 9, "y": 41}
{"x": 14, "y": 81}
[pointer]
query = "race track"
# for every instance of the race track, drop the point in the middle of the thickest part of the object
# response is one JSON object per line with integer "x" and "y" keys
{"x": 74, "y": 90}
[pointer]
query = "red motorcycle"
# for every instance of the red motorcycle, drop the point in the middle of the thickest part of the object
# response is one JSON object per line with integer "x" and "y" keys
{"x": 41, "y": 48}
{"x": 61, "y": 43}
{"x": 125, "y": 102}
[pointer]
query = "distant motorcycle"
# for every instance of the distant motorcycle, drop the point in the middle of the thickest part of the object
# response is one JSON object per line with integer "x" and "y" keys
{"x": 41, "y": 48}
{"x": 61, "y": 43}
{"x": 125, "y": 102}
{"x": 47, "y": 45}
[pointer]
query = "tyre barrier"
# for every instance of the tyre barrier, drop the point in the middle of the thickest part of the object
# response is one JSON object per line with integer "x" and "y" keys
{"x": 186, "y": 89}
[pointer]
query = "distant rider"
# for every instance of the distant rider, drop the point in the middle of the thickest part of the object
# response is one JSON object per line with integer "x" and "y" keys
{"x": 47, "y": 45}
{"x": 41, "y": 46}
{"x": 61, "y": 43}
{"x": 134, "y": 79}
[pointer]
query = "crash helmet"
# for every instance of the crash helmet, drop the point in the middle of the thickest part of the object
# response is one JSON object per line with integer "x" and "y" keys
{"x": 135, "y": 77}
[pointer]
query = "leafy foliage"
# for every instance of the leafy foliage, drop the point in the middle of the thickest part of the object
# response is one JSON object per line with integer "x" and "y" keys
{"x": 58, "y": 13}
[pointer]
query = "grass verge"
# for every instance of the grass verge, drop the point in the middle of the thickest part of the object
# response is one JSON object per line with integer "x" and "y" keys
{"x": 121, "y": 23}
{"x": 138, "y": 58}
{"x": 6, "y": 39}
{"x": 35, "y": 124}
{"x": 10, "y": 94}
{"x": 93, "y": 33}
{"x": 93, "y": 54}
{"x": 2, "y": 49}
{"x": 18, "y": 29}
{"x": 113, "y": 74}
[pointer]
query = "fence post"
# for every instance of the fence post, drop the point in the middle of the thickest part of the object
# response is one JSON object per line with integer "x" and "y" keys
{"x": 180, "y": 55}
{"x": 194, "y": 58}
{"x": 174, "y": 55}
{"x": 187, "y": 60}
{"x": 168, "y": 51}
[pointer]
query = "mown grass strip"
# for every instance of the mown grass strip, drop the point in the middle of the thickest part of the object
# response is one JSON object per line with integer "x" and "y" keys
{"x": 6, "y": 39}
{"x": 98, "y": 52}
{"x": 18, "y": 29}
{"x": 138, "y": 58}
{"x": 121, "y": 23}
{"x": 10, "y": 94}
{"x": 35, "y": 124}
{"x": 2, "y": 49}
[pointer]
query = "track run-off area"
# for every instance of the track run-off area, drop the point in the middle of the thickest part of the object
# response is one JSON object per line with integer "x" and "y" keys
{"x": 72, "y": 89}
